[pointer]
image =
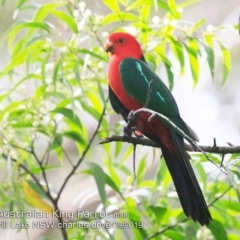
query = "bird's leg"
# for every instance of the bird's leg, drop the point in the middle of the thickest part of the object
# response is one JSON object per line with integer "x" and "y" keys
{"x": 127, "y": 131}
{"x": 130, "y": 128}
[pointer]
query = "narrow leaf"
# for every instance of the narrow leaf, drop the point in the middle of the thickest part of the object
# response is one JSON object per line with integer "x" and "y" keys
{"x": 67, "y": 19}
{"x": 112, "y": 4}
{"x": 100, "y": 179}
{"x": 226, "y": 63}
{"x": 218, "y": 230}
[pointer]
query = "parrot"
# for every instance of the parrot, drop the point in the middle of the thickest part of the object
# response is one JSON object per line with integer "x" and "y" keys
{"x": 129, "y": 77}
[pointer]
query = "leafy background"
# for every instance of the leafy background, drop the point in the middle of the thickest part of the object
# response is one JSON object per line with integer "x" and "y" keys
{"x": 54, "y": 111}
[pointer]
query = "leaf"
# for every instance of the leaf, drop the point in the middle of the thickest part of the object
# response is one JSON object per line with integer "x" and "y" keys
{"x": 168, "y": 66}
{"x": 75, "y": 136}
{"x": 34, "y": 199}
{"x": 119, "y": 17}
{"x": 194, "y": 63}
{"x": 91, "y": 53}
{"x": 57, "y": 141}
{"x": 100, "y": 179}
{"x": 13, "y": 31}
{"x": 57, "y": 66}
{"x": 142, "y": 168}
{"x": 155, "y": 3}
{"x": 226, "y": 63}
{"x": 210, "y": 59}
{"x": 118, "y": 148}
{"x": 159, "y": 212}
{"x": 20, "y": 3}
{"x": 218, "y": 230}
{"x": 178, "y": 49}
{"x": 173, "y": 234}
{"x": 38, "y": 170}
{"x": 188, "y": 3}
{"x": 170, "y": 75}
{"x": 197, "y": 25}
{"x": 112, "y": 4}
{"x": 45, "y": 10}
{"x": 112, "y": 184}
{"x": 66, "y": 18}
{"x": 69, "y": 114}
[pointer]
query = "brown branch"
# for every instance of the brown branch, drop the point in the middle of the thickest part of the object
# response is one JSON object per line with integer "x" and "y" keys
{"x": 150, "y": 143}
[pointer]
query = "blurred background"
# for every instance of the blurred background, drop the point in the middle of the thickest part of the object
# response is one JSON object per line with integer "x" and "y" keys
{"x": 210, "y": 109}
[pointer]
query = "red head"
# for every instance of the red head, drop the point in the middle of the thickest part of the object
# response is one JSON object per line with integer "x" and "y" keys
{"x": 123, "y": 45}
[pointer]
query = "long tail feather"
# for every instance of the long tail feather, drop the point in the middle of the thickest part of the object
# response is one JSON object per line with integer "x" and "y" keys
{"x": 186, "y": 184}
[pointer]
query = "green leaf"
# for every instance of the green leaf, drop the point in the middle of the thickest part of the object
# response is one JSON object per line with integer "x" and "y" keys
{"x": 112, "y": 4}
{"x": 197, "y": 25}
{"x": 91, "y": 53}
{"x": 210, "y": 59}
{"x": 168, "y": 66}
{"x": 173, "y": 234}
{"x": 170, "y": 75}
{"x": 194, "y": 63}
{"x": 75, "y": 137}
{"x": 38, "y": 170}
{"x": 178, "y": 49}
{"x": 13, "y": 31}
{"x": 159, "y": 212}
{"x": 20, "y": 3}
{"x": 57, "y": 141}
{"x": 100, "y": 179}
{"x": 142, "y": 168}
{"x": 188, "y": 3}
{"x": 57, "y": 66}
{"x": 119, "y": 17}
{"x": 66, "y": 18}
{"x": 69, "y": 114}
{"x": 45, "y": 10}
{"x": 218, "y": 230}
{"x": 155, "y": 3}
{"x": 118, "y": 148}
{"x": 112, "y": 184}
{"x": 92, "y": 111}
{"x": 226, "y": 63}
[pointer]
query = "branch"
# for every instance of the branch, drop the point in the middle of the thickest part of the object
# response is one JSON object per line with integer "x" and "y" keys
{"x": 150, "y": 143}
{"x": 83, "y": 154}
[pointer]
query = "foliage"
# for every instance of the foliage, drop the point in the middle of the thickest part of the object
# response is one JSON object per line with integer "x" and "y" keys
{"x": 55, "y": 84}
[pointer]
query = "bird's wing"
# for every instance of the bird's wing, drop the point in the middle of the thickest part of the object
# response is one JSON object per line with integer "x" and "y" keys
{"x": 136, "y": 77}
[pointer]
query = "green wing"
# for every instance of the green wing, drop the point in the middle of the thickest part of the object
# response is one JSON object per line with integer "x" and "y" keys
{"x": 136, "y": 76}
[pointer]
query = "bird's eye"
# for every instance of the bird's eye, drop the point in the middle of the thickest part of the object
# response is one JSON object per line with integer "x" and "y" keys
{"x": 121, "y": 40}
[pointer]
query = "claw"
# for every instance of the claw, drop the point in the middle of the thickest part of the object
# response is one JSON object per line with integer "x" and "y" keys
{"x": 131, "y": 116}
{"x": 127, "y": 132}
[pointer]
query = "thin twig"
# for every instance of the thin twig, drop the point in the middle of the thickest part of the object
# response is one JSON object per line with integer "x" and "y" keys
{"x": 221, "y": 164}
{"x": 148, "y": 94}
{"x": 40, "y": 163}
{"x": 27, "y": 171}
{"x": 83, "y": 154}
{"x": 134, "y": 159}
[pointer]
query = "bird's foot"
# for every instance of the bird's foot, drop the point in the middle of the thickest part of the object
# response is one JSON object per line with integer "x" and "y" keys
{"x": 138, "y": 133}
{"x": 131, "y": 117}
{"x": 128, "y": 131}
